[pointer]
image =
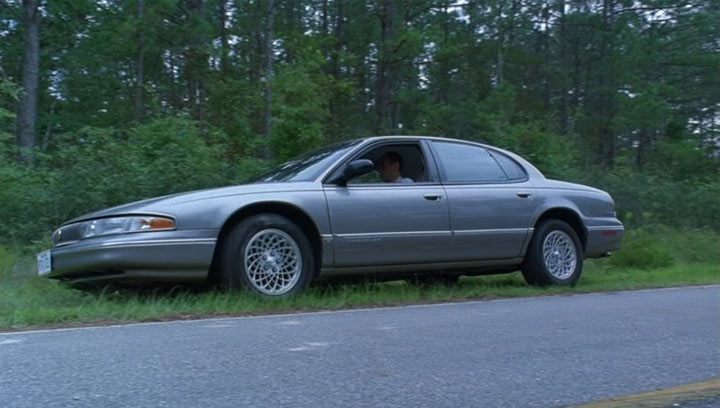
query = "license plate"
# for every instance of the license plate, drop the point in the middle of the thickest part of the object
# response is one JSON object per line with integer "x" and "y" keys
{"x": 44, "y": 262}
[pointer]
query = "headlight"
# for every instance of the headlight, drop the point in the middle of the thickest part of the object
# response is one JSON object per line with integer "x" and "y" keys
{"x": 122, "y": 225}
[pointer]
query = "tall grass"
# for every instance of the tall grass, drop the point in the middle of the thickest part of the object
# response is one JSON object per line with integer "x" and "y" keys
{"x": 689, "y": 258}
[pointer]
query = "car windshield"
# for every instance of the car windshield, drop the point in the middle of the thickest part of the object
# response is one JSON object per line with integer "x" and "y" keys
{"x": 308, "y": 166}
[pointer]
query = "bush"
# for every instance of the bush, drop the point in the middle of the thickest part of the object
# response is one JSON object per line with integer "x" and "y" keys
{"x": 688, "y": 245}
{"x": 641, "y": 249}
{"x": 7, "y": 262}
{"x": 647, "y": 199}
{"x": 96, "y": 168}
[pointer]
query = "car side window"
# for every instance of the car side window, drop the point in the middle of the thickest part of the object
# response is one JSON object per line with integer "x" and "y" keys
{"x": 370, "y": 178}
{"x": 401, "y": 163}
{"x": 512, "y": 169}
{"x": 462, "y": 163}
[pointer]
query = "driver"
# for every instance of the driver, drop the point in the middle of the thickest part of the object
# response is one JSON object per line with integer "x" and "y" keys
{"x": 390, "y": 167}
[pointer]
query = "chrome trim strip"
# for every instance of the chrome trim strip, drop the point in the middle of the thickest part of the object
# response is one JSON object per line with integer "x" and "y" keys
{"x": 606, "y": 228}
{"x": 162, "y": 242}
{"x": 432, "y": 233}
{"x": 374, "y": 186}
{"x": 178, "y": 240}
{"x": 188, "y": 241}
{"x": 492, "y": 231}
{"x": 392, "y": 234}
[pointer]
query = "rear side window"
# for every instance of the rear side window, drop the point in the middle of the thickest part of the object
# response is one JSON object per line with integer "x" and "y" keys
{"x": 462, "y": 163}
{"x": 511, "y": 167}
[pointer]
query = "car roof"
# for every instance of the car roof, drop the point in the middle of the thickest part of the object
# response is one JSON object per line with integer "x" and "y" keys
{"x": 384, "y": 137}
{"x": 416, "y": 137}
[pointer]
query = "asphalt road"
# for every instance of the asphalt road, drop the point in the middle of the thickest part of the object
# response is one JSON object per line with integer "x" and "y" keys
{"x": 536, "y": 352}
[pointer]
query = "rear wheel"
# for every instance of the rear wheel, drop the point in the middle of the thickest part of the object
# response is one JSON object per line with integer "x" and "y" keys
{"x": 267, "y": 254}
{"x": 554, "y": 255}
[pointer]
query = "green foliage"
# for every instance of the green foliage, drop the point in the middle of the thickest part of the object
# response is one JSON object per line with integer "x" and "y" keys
{"x": 621, "y": 98}
{"x": 232, "y": 105}
{"x": 246, "y": 169}
{"x": 8, "y": 260}
{"x": 641, "y": 250}
{"x": 302, "y": 109}
{"x": 681, "y": 160}
{"x": 499, "y": 123}
{"x": 96, "y": 168}
{"x": 688, "y": 245}
{"x": 29, "y": 209}
{"x": 9, "y": 94}
{"x": 651, "y": 198}
{"x": 658, "y": 246}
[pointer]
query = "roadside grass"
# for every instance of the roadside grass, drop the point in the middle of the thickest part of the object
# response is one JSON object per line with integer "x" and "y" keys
{"x": 689, "y": 258}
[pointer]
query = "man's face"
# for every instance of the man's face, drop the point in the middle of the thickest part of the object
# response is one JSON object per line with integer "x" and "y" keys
{"x": 389, "y": 170}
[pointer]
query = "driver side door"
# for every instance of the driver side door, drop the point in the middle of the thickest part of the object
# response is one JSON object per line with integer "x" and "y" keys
{"x": 376, "y": 224}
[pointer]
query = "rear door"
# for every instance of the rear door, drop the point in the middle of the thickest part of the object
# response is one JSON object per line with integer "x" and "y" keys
{"x": 490, "y": 200}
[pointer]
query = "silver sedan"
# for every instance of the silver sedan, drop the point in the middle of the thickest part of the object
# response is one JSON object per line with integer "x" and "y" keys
{"x": 384, "y": 206}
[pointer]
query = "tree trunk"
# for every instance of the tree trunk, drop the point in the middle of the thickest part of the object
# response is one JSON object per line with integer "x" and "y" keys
{"x": 27, "y": 110}
{"x": 444, "y": 74}
{"x": 383, "y": 93}
{"x": 500, "y": 61}
{"x": 224, "y": 42}
{"x": 50, "y": 124}
{"x": 197, "y": 59}
{"x": 325, "y": 31}
{"x": 546, "y": 55}
{"x": 643, "y": 148}
{"x": 564, "y": 120}
{"x": 139, "y": 85}
{"x": 325, "y": 18}
{"x": 500, "y": 66}
{"x": 340, "y": 39}
{"x": 269, "y": 21}
{"x": 174, "y": 101}
{"x": 608, "y": 83}
{"x": 336, "y": 118}
{"x": 577, "y": 72}
{"x": 258, "y": 46}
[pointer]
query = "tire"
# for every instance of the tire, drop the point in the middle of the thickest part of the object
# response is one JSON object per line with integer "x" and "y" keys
{"x": 558, "y": 238}
{"x": 257, "y": 252}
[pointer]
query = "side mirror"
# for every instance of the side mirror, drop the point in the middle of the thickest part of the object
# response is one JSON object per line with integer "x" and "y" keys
{"x": 354, "y": 169}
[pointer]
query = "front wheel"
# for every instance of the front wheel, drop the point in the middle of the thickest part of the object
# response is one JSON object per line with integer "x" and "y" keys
{"x": 267, "y": 254}
{"x": 554, "y": 255}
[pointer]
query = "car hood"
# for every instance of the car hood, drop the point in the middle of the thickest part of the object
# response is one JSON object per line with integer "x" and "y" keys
{"x": 158, "y": 205}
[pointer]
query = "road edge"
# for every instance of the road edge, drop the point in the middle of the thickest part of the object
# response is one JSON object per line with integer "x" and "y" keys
{"x": 661, "y": 398}
{"x": 290, "y": 313}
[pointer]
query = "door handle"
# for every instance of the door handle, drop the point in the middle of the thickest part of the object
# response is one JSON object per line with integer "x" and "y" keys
{"x": 433, "y": 197}
{"x": 523, "y": 194}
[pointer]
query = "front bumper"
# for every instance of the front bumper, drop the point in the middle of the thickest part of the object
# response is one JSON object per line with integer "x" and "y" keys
{"x": 167, "y": 256}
